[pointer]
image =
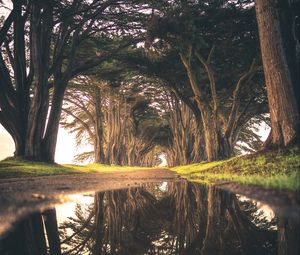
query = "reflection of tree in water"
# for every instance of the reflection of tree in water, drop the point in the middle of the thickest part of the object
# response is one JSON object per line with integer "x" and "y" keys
{"x": 186, "y": 219}
{"x": 210, "y": 221}
{"x": 36, "y": 235}
{"x": 115, "y": 224}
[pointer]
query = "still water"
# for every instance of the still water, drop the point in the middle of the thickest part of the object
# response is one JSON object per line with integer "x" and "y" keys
{"x": 179, "y": 218}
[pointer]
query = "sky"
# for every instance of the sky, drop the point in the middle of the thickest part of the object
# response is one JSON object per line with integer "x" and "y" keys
{"x": 65, "y": 150}
{"x": 6, "y": 144}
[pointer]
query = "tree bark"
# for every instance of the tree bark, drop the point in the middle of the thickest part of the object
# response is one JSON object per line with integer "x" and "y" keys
{"x": 216, "y": 145}
{"x": 40, "y": 39}
{"x": 280, "y": 67}
{"x": 99, "y": 151}
{"x": 50, "y": 138}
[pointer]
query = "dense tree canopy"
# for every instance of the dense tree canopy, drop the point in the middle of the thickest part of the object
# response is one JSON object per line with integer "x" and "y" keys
{"x": 137, "y": 78}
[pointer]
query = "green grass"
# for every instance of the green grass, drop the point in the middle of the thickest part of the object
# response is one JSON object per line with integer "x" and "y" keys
{"x": 274, "y": 169}
{"x": 12, "y": 168}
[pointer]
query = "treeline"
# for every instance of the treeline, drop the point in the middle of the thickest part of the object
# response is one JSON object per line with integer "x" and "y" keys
{"x": 136, "y": 79}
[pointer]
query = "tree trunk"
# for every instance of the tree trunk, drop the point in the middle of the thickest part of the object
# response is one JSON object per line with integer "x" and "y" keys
{"x": 50, "y": 139}
{"x": 216, "y": 146}
{"x": 280, "y": 67}
{"x": 41, "y": 20}
{"x": 99, "y": 151}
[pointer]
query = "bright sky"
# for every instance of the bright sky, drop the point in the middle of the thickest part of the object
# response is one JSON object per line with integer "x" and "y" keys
{"x": 65, "y": 151}
{"x": 6, "y": 144}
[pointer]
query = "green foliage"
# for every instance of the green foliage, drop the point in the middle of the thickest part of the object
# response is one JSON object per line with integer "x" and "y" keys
{"x": 274, "y": 169}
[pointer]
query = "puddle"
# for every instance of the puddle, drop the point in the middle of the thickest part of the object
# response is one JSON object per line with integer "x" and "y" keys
{"x": 179, "y": 218}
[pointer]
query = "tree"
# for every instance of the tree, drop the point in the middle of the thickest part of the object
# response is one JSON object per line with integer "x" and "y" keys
{"x": 41, "y": 51}
{"x": 243, "y": 102}
{"x": 219, "y": 55}
{"x": 279, "y": 40}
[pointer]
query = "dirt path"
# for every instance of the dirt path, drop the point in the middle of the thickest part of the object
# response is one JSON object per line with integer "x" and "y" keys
{"x": 21, "y": 196}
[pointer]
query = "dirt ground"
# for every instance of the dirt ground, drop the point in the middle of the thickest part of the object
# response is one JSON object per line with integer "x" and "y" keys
{"x": 21, "y": 196}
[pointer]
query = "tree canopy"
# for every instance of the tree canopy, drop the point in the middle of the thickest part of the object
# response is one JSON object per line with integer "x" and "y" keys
{"x": 136, "y": 78}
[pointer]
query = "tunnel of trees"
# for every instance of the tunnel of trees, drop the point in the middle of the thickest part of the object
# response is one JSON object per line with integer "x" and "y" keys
{"x": 190, "y": 79}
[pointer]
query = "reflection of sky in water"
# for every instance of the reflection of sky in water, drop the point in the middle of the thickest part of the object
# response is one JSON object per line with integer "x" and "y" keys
{"x": 66, "y": 210}
{"x": 264, "y": 210}
{"x": 179, "y": 218}
{"x": 164, "y": 237}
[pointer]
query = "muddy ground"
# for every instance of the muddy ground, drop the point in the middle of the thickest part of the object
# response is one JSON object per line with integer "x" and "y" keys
{"x": 21, "y": 196}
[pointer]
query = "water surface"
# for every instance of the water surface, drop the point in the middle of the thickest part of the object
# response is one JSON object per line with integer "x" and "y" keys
{"x": 180, "y": 218}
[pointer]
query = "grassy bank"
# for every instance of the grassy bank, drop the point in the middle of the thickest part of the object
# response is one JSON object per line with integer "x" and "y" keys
{"x": 274, "y": 169}
{"x": 12, "y": 168}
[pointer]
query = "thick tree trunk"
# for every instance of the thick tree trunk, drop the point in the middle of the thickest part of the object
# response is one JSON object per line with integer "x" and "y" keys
{"x": 50, "y": 139}
{"x": 210, "y": 136}
{"x": 216, "y": 146}
{"x": 280, "y": 68}
{"x": 41, "y": 20}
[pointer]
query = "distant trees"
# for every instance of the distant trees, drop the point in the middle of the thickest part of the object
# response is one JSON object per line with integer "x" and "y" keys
{"x": 278, "y": 23}
{"x": 118, "y": 121}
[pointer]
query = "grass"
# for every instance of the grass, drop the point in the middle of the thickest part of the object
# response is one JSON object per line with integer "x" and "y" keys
{"x": 12, "y": 168}
{"x": 273, "y": 169}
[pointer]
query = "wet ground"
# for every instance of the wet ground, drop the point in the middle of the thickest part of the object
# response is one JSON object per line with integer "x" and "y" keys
{"x": 144, "y": 212}
{"x": 20, "y": 196}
